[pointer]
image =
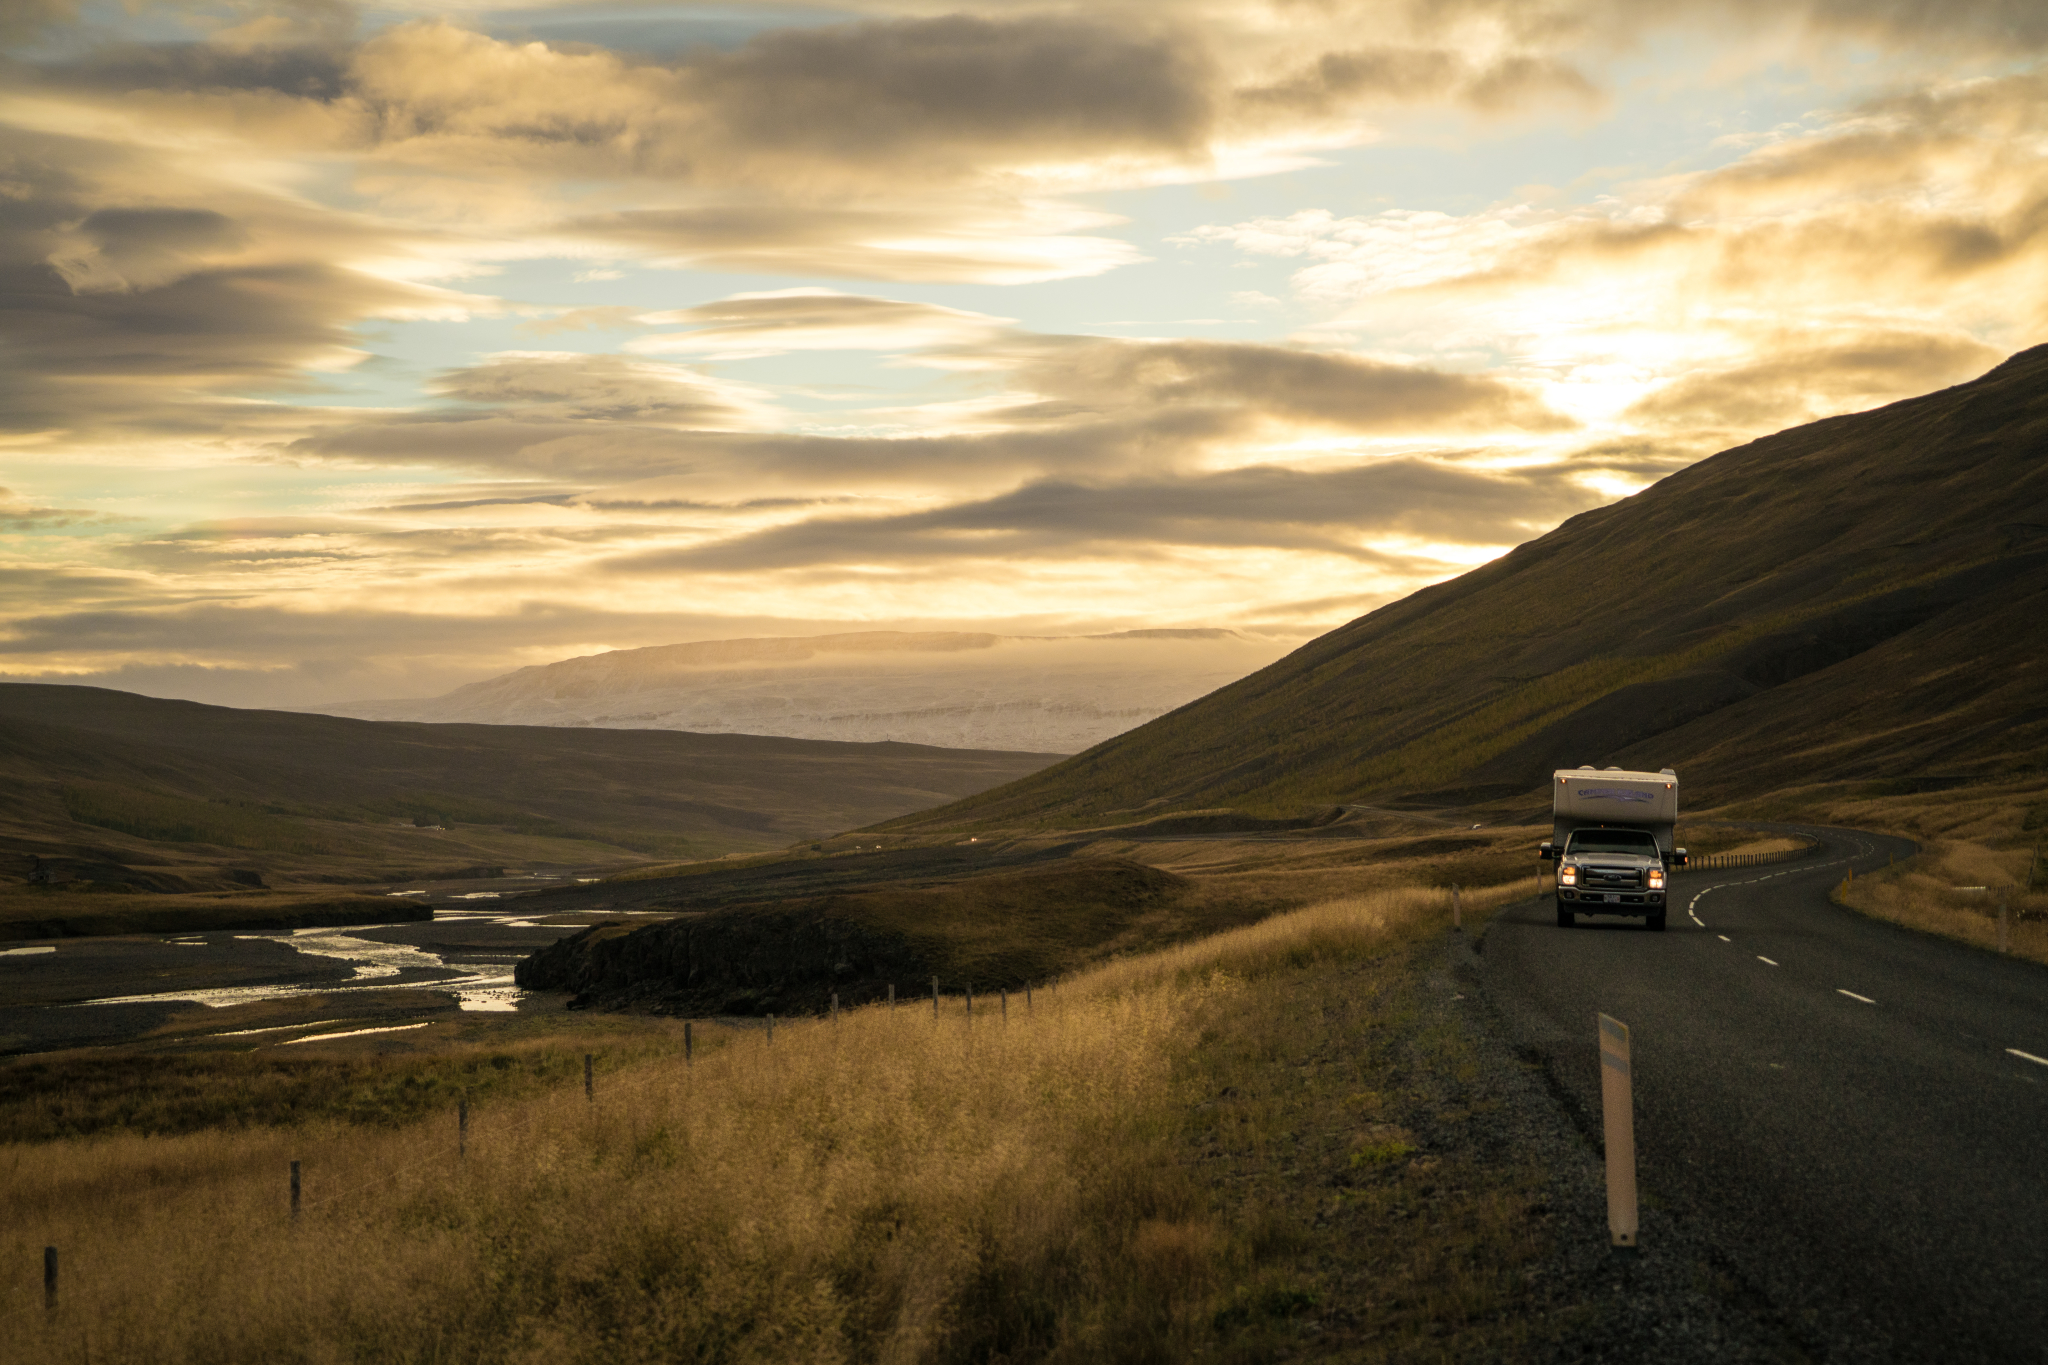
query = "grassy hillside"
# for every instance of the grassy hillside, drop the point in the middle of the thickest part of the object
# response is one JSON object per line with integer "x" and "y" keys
{"x": 113, "y": 790}
{"x": 1860, "y": 599}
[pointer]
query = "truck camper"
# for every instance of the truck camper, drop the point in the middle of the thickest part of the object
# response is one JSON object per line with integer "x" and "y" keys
{"x": 1612, "y": 838}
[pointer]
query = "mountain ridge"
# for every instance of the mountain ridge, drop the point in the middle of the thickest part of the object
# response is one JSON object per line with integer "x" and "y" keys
{"x": 1821, "y": 579}
{"x": 959, "y": 689}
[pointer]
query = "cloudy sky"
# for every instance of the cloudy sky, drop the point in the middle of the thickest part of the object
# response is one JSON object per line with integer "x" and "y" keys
{"x": 363, "y": 350}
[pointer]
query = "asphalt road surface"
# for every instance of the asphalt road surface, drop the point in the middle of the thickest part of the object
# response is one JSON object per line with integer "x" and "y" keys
{"x": 1856, "y": 1116}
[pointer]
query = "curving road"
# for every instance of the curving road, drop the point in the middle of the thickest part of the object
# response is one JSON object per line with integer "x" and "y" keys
{"x": 1854, "y": 1115}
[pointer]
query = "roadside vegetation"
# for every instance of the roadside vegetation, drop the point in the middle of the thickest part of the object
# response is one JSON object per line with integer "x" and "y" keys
{"x": 1160, "y": 1158}
{"x": 1982, "y": 848}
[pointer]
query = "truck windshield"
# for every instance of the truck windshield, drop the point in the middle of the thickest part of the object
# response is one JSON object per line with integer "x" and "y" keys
{"x": 1612, "y": 841}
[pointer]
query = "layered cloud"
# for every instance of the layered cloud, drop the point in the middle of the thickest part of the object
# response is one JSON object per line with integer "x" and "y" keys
{"x": 1345, "y": 512}
{"x": 1897, "y": 248}
{"x": 335, "y": 343}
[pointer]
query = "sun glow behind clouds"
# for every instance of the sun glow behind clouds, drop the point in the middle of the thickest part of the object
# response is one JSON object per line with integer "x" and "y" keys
{"x": 371, "y": 361}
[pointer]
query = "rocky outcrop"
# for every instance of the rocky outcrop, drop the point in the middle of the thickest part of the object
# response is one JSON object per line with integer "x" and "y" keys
{"x": 790, "y": 957}
{"x": 751, "y": 962}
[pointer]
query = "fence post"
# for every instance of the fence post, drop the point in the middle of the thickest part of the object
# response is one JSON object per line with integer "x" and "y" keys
{"x": 892, "y": 995}
{"x": 50, "y": 1277}
{"x": 1457, "y": 910}
{"x": 1027, "y": 997}
{"x": 295, "y": 1191}
{"x": 935, "y": 997}
{"x": 589, "y": 1086}
{"x": 2004, "y": 938}
{"x": 461, "y": 1129}
{"x": 771, "y": 1030}
{"x": 1006, "y": 1004}
{"x": 689, "y": 1046}
{"x": 970, "y": 1000}
{"x": 1618, "y": 1123}
{"x": 835, "y": 1007}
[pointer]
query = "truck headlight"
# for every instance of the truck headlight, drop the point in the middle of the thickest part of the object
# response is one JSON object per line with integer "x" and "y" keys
{"x": 1656, "y": 879}
{"x": 1568, "y": 876}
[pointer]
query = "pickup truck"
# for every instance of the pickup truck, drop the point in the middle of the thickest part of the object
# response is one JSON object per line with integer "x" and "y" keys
{"x": 1611, "y": 838}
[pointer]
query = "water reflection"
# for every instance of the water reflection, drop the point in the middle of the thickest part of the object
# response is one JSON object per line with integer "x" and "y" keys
{"x": 376, "y": 964}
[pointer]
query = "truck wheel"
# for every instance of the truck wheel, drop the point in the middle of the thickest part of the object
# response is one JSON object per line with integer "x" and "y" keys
{"x": 1565, "y": 918}
{"x": 1657, "y": 921}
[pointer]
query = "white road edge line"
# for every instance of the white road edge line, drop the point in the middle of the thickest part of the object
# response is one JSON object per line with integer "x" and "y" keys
{"x": 1853, "y": 996}
{"x": 2038, "y": 1061}
{"x": 1761, "y": 958}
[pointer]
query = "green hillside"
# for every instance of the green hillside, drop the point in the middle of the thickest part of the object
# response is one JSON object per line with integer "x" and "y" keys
{"x": 173, "y": 796}
{"x": 1859, "y": 599}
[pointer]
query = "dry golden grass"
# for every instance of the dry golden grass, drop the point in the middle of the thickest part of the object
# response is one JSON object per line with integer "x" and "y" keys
{"x": 1757, "y": 847}
{"x": 1955, "y": 888}
{"x": 893, "y": 1187}
{"x": 1994, "y": 837}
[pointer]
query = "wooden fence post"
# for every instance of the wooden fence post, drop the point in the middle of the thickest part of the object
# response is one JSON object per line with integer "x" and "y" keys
{"x": 1457, "y": 909}
{"x": 589, "y": 1086}
{"x": 771, "y": 1030}
{"x": 835, "y": 1007}
{"x": 1006, "y": 1004}
{"x": 50, "y": 1276}
{"x": 2004, "y": 935}
{"x": 461, "y": 1129}
{"x": 689, "y": 1046}
{"x": 935, "y": 997}
{"x": 970, "y": 1000}
{"x": 295, "y": 1191}
{"x": 892, "y": 995}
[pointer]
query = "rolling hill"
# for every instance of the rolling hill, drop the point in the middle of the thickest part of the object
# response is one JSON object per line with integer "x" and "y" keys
{"x": 165, "y": 795}
{"x": 1862, "y": 599}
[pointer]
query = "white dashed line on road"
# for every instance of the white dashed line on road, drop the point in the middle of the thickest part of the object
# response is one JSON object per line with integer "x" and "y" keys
{"x": 1724, "y": 938}
{"x": 2038, "y": 1061}
{"x": 1766, "y": 961}
{"x": 1853, "y": 996}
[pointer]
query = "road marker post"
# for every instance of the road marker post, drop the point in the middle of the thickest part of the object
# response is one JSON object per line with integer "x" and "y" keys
{"x": 1617, "y": 1111}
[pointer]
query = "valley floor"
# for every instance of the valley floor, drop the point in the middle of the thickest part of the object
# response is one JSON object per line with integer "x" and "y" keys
{"x": 1298, "y": 1140}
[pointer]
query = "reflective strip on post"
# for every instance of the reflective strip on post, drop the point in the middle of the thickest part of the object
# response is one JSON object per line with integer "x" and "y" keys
{"x": 1617, "y": 1108}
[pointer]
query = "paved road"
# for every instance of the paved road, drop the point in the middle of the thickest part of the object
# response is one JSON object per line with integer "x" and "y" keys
{"x": 1840, "y": 1106}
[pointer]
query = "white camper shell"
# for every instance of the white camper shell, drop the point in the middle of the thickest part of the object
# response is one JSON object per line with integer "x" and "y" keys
{"x": 1582, "y": 797}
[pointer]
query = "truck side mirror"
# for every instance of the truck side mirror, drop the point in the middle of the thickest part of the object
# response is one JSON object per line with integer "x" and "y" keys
{"x": 1546, "y": 852}
{"x": 1678, "y": 858}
